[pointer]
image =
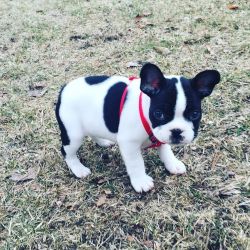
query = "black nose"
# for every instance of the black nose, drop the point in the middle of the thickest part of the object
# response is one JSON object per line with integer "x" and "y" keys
{"x": 176, "y": 132}
{"x": 176, "y": 136}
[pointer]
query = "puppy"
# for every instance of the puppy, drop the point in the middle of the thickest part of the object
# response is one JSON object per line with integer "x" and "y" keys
{"x": 151, "y": 111}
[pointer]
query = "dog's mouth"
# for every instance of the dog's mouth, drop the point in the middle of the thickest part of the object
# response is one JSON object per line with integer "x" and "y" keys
{"x": 177, "y": 139}
{"x": 174, "y": 136}
{"x": 180, "y": 141}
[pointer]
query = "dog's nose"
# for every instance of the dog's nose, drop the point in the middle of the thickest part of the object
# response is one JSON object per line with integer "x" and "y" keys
{"x": 176, "y": 132}
{"x": 176, "y": 136}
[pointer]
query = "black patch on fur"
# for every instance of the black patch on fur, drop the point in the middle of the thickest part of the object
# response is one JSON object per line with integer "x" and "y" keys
{"x": 111, "y": 106}
{"x": 64, "y": 135}
{"x": 164, "y": 101}
{"x": 91, "y": 80}
{"x": 63, "y": 151}
{"x": 193, "y": 103}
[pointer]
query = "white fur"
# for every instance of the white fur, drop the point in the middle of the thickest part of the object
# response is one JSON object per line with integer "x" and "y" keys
{"x": 81, "y": 112}
{"x": 163, "y": 133}
{"x": 172, "y": 164}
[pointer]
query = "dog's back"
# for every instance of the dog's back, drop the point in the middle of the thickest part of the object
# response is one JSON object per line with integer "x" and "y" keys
{"x": 92, "y": 102}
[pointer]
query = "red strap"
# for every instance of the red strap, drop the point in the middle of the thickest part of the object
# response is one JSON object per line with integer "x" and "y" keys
{"x": 123, "y": 100}
{"x": 153, "y": 139}
{"x": 131, "y": 78}
{"x": 143, "y": 119}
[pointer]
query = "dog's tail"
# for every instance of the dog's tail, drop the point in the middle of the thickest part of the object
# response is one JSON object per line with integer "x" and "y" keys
{"x": 64, "y": 135}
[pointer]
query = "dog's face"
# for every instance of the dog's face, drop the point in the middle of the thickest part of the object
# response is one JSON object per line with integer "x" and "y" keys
{"x": 175, "y": 102}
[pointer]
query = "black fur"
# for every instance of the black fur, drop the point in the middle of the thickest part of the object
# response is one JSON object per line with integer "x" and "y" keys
{"x": 163, "y": 95}
{"x": 164, "y": 101}
{"x": 111, "y": 106}
{"x": 63, "y": 151}
{"x": 64, "y": 135}
{"x": 176, "y": 136}
{"x": 152, "y": 79}
{"x": 204, "y": 82}
{"x": 91, "y": 80}
{"x": 193, "y": 103}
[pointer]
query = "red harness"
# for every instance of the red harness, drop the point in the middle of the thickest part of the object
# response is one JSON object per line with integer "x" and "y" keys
{"x": 152, "y": 138}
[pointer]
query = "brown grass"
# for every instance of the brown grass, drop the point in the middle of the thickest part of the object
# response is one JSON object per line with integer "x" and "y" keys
{"x": 48, "y": 43}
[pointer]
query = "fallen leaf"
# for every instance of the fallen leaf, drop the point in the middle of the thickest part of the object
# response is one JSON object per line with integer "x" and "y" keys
{"x": 77, "y": 37}
{"x": 4, "y": 48}
{"x": 137, "y": 206}
{"x": 37, "y": 90}
{"x": 157, "y": 245}
{"x": 224, "y": 194}
{"x": 245, "y": 205}
{"x": 61, "y": 199}
{"x": 233, "y": 7}
{"x": 101, "y": 200}
{"x": 3, "y": 97}
{"x": 144, "y": 14}
{"x": 149, "y": 243}
{"x": 101, "y": 181}
{"x": 13, "y": 39}
{"x": 143, "y": 25}
{"x": 231, "y": 174}
{"x": 162, "y": 50}
{"x": 31, "y": 175}
{"x": 134, "y": 64}
{"x": 73, "y": 206}
{"x": 215, "y": 160}
{"x": 149, "y": 24}
{"x": 107, "y": 191}
{"x": 141, "y": 22}
{"x": 210, "y": 50}
{"x": 35, "y": 186}
{"x": 228, "y": 191}
{"x": 40, "y": 11}
{"x": 130, "y": 238}
{"x": 2, "y": 94}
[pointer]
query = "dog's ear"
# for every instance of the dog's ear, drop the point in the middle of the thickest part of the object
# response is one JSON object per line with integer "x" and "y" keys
{"x": 152, "y": 79}
{"x": 205, "y": 81}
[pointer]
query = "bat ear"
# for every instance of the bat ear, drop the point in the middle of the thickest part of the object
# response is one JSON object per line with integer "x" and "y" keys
{"x": 152, "y": 79}
{"x": 205, "y": 81}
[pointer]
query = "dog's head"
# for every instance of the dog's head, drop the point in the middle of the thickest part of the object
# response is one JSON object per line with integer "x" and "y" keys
{"x": 175, "y": 102}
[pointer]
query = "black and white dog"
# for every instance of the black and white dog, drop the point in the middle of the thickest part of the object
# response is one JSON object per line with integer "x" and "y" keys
{"x": 154, "y": 109}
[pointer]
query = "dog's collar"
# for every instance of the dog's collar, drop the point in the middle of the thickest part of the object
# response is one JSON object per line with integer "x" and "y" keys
{"x": 152, "y": 138}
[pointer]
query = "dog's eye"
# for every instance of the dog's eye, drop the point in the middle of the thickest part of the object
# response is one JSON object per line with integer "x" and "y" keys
{"x": 159, "y": 115}
{"x": 194, "y": 115}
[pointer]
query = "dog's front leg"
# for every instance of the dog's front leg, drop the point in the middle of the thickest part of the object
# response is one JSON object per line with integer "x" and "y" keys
{"x": 131, "y": 154}
{"x": 172, "y": 164}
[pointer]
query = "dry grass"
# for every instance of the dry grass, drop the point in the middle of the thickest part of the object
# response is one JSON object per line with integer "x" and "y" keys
{"x": 206, "y": 209}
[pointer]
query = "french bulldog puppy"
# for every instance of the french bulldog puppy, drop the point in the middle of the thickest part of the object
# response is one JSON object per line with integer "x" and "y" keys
{"x": 136, "y": 113}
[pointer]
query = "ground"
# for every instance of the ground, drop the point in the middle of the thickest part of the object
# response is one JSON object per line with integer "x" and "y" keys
{"x": 45, "y": 44}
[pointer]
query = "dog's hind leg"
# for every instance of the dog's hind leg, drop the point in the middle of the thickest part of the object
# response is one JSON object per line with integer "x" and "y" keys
{"x": 72, "y": 135}
{"x": 71, "y": 159}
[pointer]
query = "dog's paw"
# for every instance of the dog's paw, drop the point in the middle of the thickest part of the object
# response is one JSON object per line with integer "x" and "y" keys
{"x": 80, "y": 171}
{"x": 142, "y": 183}
{"x": 176, "y": 167}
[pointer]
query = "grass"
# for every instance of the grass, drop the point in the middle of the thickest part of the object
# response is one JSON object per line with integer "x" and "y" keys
{"x": 53, "y": 42}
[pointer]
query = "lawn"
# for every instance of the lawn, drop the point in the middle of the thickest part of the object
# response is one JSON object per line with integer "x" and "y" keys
{"x": 45, "y": 44}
